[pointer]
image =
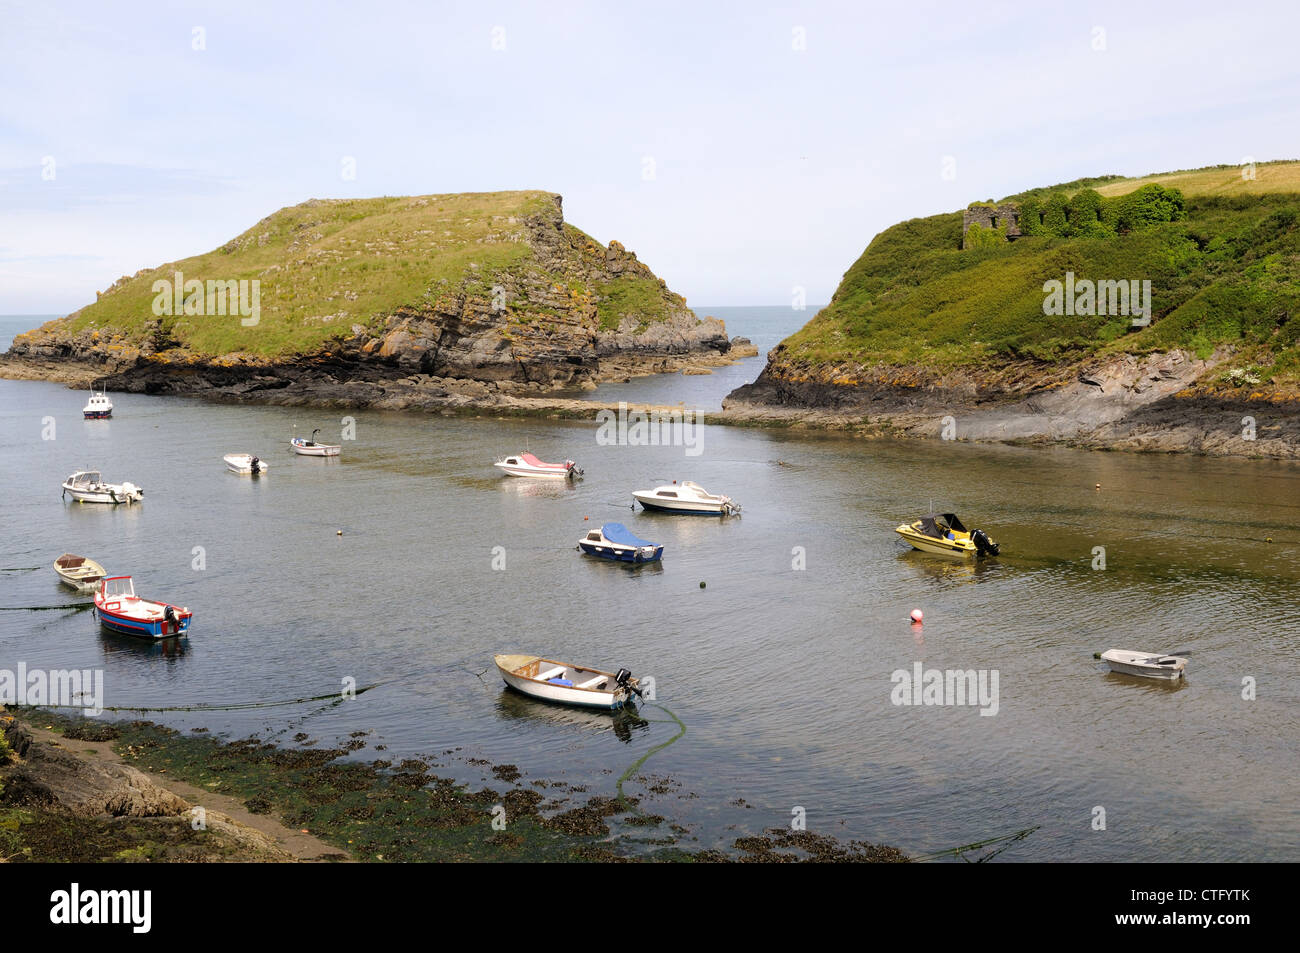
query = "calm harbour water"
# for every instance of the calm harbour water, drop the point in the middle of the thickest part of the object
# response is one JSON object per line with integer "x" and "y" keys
{"x": 782, "y": 676}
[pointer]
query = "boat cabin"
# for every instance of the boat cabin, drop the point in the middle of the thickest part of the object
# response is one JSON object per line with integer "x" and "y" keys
{"x": 118, "y": 587}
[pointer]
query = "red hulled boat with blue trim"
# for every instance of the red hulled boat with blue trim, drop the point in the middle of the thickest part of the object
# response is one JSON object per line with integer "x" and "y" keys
{"x": 121, "y": 610}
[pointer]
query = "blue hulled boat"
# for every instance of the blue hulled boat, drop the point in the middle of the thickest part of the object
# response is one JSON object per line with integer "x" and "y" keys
{"x": 616, "y": 541}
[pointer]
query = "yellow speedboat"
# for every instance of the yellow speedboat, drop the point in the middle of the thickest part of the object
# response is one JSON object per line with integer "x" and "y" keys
{"x": 943, "y": 533}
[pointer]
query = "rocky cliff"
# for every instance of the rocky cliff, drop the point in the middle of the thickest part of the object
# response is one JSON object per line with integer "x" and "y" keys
{"x": 1129, "y": 316}
{"x": 488, "y": 293}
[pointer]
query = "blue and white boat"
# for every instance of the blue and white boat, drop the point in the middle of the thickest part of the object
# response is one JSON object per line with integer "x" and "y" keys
{"x": 616, "y": 541}
{"x": 99, "y": 407}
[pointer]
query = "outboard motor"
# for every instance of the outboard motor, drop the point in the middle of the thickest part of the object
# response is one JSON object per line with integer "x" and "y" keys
{"x": 256, "y": 465}
{"x": 622, "y": 678}
{"x": 169, "y": 615}
{"x": 983, "y": 545}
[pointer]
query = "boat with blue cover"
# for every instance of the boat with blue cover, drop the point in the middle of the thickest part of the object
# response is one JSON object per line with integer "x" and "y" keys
{"x": 616, "y": 541}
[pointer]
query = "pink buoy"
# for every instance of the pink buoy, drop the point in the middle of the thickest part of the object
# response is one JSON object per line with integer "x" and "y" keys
{"x": 916, "y": 615}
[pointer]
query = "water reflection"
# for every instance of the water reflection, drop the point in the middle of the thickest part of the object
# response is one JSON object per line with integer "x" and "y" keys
{"x": 951, "y": 568}
{"x": 1150, "y": 685}
{"x": 114, "y": 643}
{"x": 512, "y": 705}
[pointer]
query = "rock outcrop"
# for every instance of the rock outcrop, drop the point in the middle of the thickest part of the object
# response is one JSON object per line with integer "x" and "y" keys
{"x": 475, "y": 292}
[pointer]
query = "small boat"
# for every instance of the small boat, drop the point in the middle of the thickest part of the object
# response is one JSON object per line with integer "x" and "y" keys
{"x": 121, "y": 610}
{"x": 686, "y": 497}
{"x": 527, "y": 465}
{"x": 99, "y": 407}
{"x": 1144, "y": 664}
{"x": 78, "y": 571}
{"x": 310, "y": 448}
{"x": 244, "y": 463}
{"x": 944, "y": 533}
{"x": 616, "y": 541}
{"x": 87, "y": 486}
{"x": 567, "y": 684}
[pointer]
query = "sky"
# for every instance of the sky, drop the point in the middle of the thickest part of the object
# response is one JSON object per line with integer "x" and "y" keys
{"x": 745, "y": 151}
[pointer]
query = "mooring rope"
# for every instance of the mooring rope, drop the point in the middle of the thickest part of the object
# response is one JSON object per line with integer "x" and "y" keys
{"x": 959, "y": 851}
{"x": 67, "y": 607}
{"x": 657, "y": 748}
{"x": 241, "y": 706}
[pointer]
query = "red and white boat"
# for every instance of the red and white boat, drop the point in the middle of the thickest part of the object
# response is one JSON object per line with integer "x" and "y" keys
{"x": 121, "y": 610}
{"x": 527, "y": 465}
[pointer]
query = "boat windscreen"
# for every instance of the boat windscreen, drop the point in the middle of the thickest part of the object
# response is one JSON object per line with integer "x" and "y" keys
{"x": 119, "y": 587}
{"x": 929, "y": 527}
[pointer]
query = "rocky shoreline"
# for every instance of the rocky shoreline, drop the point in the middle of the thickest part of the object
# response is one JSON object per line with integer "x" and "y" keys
{"x": 73, "y": 789}
{"x": 1154, "y": 404}
{"x": 1158, "y": 404}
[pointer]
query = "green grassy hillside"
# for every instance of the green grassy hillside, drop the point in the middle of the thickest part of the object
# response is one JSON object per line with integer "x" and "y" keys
{"x": 327, "y": 265}
{"x": 1226, "y": 273}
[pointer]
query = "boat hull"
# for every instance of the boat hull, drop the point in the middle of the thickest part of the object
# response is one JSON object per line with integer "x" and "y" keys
{"x": 97, "y": 414}
{"x": 684, "y": 508}
{"x": 928, "y": 544}
{"x": 316, "y": 450}
{"x": 141, "y": 627}
{"x": 550, "y": 473}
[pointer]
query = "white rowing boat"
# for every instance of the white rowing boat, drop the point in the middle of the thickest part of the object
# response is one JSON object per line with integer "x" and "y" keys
{"x": 79, "y": 572}
{"x": 566, "y": 684}
{"x": 244, "y": 463}
{"x": 1144, "y": 664}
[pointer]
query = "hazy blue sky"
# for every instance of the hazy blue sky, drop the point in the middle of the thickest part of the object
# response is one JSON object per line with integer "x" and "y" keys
{"x": 773, "y": 165}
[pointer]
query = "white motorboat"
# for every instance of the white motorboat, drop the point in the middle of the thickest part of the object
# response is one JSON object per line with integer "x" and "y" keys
{"x": 527, "y": 465}
{"x": 79, "y": 572}
{"x": 310, "y": 448}
{"x": 1144, "y": 664}
{"x": 567, "y": 684}
{"x": 686, "y": 497}
{"x": 245, "y": 463}
{"x": 87, "y": 486}
{"x": 99, "y": 407}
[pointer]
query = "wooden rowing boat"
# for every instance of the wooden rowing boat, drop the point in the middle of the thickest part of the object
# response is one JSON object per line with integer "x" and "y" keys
{"x": 79, "y": 572}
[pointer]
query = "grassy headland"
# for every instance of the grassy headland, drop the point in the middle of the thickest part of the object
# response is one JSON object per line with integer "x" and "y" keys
{"x": 1224, "y": 271}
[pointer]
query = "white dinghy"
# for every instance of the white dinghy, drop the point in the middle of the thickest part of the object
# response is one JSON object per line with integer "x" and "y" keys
{"x": 565, "y": 684}
{"x": 310, "y": 448}
{"x": 686, "y": 497}
{"x": 1144, "y": 664}
{"x": 245, "y": 463}
{"x": 87, "y": 486}
{"x": 79, "y": 572}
